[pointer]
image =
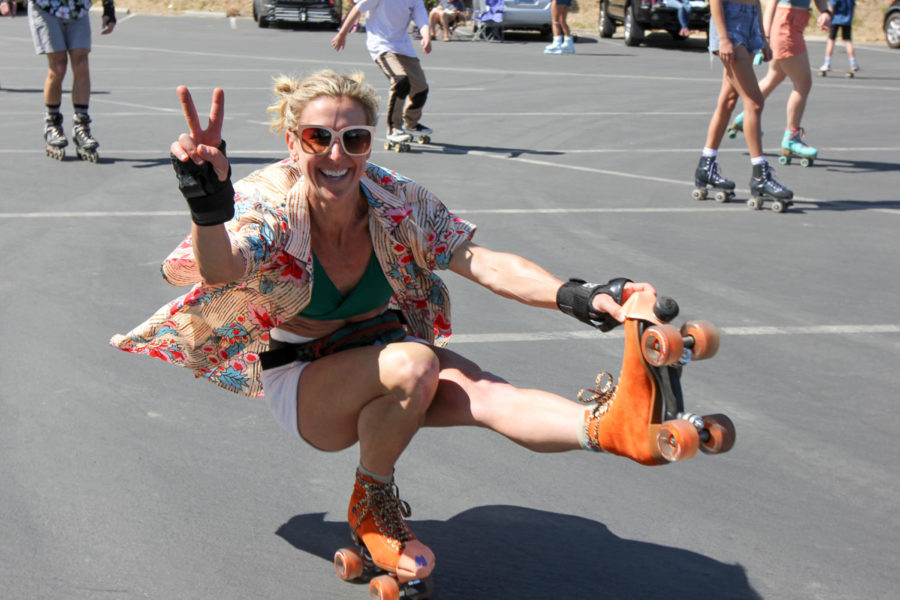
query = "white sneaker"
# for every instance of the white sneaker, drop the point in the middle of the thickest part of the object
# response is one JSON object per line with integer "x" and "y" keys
{"x": 825, "y": 68}
{"x": 568, "y": 46}
{"x": 396, "y": 135}
{"x": 555, "y": 46}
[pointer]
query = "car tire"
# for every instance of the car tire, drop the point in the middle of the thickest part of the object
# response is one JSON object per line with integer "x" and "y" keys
{"x": 261, "y": 21}
{"x": 633, "y": 32}
{"x": 606, "y": 25}
{"x": 892, "y": 30}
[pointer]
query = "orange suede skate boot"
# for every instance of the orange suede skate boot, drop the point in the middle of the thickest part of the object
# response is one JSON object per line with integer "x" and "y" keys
{"x": 641, "y": 417}
{"x": 376, "y": 517}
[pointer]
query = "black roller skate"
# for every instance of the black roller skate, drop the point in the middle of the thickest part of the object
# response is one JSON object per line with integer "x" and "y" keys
{"x": 707, "y": 177}
{"x": 85, "y": 144}
{"x": 764, "y": 187}
{"x": 54, "y": 136}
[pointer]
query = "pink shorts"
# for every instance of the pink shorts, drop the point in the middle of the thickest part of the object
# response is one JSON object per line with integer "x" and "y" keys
{"x": 786, "y": 37}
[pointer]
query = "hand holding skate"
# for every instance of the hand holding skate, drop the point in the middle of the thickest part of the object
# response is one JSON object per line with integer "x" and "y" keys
{"x": 643, "y": 416}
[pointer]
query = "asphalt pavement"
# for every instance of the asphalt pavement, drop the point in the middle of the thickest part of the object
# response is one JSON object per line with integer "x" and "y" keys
{"x": 123, "y": 477}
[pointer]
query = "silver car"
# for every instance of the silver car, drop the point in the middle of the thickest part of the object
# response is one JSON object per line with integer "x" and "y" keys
{"x": 522, "y": 14}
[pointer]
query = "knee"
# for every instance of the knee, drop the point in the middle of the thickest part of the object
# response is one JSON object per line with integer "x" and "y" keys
{"x": 58, "y": 66}
{"x": 80, "y": 64}
{"x": 400, "y": 86}
{"x": 412, "y": 370}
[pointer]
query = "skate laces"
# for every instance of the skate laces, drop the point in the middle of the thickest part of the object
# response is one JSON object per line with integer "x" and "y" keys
{"x": 603, "y": 394}
{"x": 769, "y": 176}
{"x": 383, "y": 503}
{"x": 799, "y": 136}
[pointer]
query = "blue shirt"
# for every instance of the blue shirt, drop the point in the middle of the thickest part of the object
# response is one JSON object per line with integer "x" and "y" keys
{"x": 843, "y": 11}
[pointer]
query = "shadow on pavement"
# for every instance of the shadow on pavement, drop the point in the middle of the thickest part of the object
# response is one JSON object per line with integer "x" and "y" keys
{"x": 519, "y": 553}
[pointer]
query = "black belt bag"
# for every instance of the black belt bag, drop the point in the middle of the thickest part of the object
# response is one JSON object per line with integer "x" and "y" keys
{"x": 384, "y": 329}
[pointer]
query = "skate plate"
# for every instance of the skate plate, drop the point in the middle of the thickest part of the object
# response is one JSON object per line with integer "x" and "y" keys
{"x": 719, "y": 195}
{"x": 787, "y": 157}
{"x": 777, "y": 205}
{"x": 355, "y": 565}
{"x": 672, "y": 433}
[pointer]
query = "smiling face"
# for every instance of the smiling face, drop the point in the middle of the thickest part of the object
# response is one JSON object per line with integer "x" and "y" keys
{"x": 335, "y": 175}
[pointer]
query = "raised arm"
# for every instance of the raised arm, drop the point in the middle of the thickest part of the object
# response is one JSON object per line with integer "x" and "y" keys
{"x": 512, "y": 276}
{"x": 204, "y": 175}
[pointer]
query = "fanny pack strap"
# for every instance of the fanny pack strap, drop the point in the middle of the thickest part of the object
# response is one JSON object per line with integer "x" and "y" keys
{"x": 384, "y": 329}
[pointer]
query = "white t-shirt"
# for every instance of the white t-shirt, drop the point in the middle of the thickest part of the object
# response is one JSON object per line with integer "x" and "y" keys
{"x": 387, "y": 24}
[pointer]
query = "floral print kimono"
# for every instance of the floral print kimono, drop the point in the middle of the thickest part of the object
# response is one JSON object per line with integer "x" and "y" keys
{"x": 218, "y": 331}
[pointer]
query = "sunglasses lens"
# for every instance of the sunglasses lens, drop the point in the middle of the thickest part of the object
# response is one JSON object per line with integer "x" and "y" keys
{"x": 315, "y": 140}
{"x": 357, "y": 141}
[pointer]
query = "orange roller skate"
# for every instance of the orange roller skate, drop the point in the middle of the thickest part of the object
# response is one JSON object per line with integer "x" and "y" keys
{"x": 388, "y": 555}
{"x": 643, "y": 416}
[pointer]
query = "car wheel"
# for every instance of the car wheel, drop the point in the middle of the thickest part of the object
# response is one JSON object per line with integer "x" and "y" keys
{"x": 606, "y": 25}
{"x": 633, "y": 31}
{"x": 892, "y": 31}
{"x": 262, "y": 21}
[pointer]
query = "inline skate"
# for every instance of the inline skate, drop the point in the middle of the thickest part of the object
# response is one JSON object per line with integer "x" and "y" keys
{"x": 85, "y": 144}
{"x": 55, "y": 137}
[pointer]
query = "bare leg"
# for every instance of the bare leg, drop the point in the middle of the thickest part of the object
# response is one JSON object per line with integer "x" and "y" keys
{"x": 81, "y": 76}
{"x": 57, "y": 62}
{"x": 742, "y": 78}
{"x": 829, "y": 48}
{"x": 537, "y": 420}
{"x": 797, "y": 68}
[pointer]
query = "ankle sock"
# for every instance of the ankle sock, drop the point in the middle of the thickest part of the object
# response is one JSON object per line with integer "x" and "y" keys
{"x": 374, "y": 476}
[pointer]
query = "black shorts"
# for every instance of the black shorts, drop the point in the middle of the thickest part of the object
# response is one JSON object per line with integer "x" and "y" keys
{"x": 845, "y": 32}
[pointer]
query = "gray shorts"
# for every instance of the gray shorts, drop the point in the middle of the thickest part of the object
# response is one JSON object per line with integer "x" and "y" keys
{"x": 52, "y": 34}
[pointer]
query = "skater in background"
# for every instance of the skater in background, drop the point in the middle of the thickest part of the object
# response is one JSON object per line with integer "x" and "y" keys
{"x": 842, "y": 19}
{"x": 62, "y": 31}
{"x": 445, "y": 16}
{"x": 562, "y": 36}
{"x": 389, "y": 44}
{"x": 8, "y": 8}
{"x": 735, "y": 35}
{"x": 785, "y": 21}
{"x": 294, "y": 270}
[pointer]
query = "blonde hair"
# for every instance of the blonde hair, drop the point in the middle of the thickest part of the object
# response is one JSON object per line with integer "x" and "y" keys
{"x": 292, "y": 96}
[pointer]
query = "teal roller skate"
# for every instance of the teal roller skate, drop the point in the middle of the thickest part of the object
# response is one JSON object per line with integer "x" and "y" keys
{"x": 738, "y": 125}
{"x": 793, "y": 145}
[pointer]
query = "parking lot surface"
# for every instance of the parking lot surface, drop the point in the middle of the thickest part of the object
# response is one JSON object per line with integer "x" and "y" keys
{"x": 123, "y": 477}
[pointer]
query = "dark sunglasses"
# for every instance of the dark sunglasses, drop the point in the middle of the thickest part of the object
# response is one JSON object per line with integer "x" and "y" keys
{"x": 318, "y": 139}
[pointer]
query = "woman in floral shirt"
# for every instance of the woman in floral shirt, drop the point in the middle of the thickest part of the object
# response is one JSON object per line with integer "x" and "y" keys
{"x": 294, "y": 271}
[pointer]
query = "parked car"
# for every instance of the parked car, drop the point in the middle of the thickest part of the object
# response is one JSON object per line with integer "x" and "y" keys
{"x": 266, "y": 12}
{"x": 638, "y": 16}
{"x": 522, "y": 14}
{"x": 892, "y": 25}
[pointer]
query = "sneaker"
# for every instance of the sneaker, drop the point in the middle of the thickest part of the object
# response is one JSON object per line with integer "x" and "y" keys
{"x": 419, "y": 129}
{"x": 825, "y": 68}
{"x": 568, "y": 46}
{"x": 397, "y": 135}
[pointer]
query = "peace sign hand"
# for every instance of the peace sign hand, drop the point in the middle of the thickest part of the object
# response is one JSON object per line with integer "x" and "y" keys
{"x": 202, "y": 145}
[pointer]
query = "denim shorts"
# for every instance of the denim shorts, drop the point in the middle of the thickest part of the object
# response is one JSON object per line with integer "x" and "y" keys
{"x": 564, "y": 2}
{"x": 52, "y": 34}
{"x": 742, "y": 23}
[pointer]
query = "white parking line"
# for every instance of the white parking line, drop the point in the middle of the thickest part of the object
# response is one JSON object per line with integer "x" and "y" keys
{"x": 588, "y": 334}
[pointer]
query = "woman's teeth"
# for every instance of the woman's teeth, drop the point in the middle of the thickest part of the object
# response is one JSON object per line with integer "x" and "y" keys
{"x": 334, "y": 173}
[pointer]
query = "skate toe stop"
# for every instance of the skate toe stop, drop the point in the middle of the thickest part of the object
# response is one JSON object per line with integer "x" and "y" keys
{"x": 416, "y": 562}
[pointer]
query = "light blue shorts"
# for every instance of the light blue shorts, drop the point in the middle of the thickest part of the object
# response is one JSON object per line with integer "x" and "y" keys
{"x": 52, "y": 34}
{"x": 742, "y": 23}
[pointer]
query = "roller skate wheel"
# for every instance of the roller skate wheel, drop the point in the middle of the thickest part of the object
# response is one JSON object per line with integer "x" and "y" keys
{"x": 677, "y": 440}
{"x": 424, "y": 140}
{"x": 779, "y": 206}
{"x": 784, "y": 160}
{"x": 704, "y": 338}
{"x": 348, "y": 564}
{"x": 699, "y": 194}
{"x": 806, "y": 162}
{"x": 662, "y": 345}
{"x": 732, "y": 132}
{"x": 387, "y": 145}
{"x": 722, "y": 196}
{"x": 720, "y": 434}
{"x": 384, "y": 587}
{"x": 754, "y": 203}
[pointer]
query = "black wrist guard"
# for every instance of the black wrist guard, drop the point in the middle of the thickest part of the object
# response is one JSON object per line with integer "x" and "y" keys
{"x": 575, "y": 296}
{"x": 109, "y": 10}
{"x": 211, "y": 201}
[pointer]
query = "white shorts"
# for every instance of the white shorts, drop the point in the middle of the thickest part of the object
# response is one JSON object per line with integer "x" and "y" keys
{"x": 280, "y": 383}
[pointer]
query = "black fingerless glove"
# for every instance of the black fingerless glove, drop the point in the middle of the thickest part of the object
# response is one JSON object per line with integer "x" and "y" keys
{"x": 575, "y": 296}
{"x": 211, "y": 201}
{"x": 109, "y": 10}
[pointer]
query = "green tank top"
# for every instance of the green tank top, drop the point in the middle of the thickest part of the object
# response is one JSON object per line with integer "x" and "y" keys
{"x": 327, "y": 303}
